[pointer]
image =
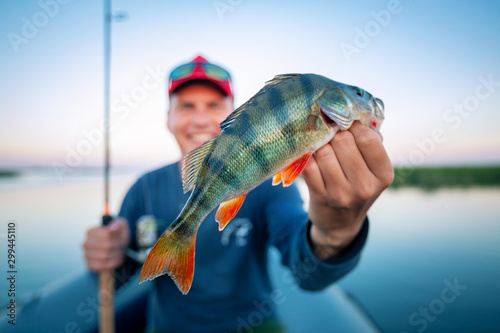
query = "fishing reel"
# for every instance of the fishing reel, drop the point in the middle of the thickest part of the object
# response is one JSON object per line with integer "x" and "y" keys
{"x": 147, "y": 234}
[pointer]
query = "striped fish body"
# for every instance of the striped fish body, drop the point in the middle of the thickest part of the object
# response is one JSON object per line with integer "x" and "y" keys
{"x": 271, "y": 135}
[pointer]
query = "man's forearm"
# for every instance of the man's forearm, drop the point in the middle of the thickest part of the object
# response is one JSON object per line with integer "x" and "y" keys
{"x": 331, "y": 244}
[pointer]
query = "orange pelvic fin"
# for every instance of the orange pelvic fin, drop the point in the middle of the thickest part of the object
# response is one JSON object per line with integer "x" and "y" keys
{"x": 277, "y": 179}
{"x": 173, "y": 254}
{"x": 293, "y": 171}
{"x": 228, "y": 210}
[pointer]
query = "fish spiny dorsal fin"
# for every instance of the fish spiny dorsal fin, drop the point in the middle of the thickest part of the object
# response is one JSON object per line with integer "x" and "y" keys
{"x": 269, "y": 85}
{"x": 192, "y": 163}
{"x": 280, "y": 78}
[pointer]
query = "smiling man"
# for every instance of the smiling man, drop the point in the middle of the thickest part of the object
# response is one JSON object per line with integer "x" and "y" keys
{"x": 197, "y": 107}
{"x": 320, "y": 246}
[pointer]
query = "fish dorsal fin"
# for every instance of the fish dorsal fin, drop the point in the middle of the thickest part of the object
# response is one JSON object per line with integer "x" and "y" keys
{"x": 192, "y": 163}
{"x": 269, "y": 85}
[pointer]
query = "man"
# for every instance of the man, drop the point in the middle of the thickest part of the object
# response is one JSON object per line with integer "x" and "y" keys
{"x": 344, "y": 178}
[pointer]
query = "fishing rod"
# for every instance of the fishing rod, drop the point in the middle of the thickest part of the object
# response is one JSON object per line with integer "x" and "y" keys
{"x": 106, "y": 278}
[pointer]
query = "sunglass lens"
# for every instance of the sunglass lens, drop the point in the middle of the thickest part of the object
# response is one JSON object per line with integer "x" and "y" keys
{"x": 215, "y": 72}
{"x": 182, "y": 71}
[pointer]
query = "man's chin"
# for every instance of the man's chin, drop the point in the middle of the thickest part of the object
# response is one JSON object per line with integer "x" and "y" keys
{"x": 192, "y": 146}
{"x": 196, "y": 144}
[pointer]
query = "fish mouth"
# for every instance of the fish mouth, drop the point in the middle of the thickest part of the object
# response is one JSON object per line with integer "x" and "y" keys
{"x": 380, "y": 108}
{"x": 379, "y": 104}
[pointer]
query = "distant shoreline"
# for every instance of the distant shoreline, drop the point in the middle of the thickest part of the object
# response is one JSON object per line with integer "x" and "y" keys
{"x": 9, "y": 173}
{"x": 421, "y": 177}
{"x": 13, "y": 172}
{"x": 446, "y": 176}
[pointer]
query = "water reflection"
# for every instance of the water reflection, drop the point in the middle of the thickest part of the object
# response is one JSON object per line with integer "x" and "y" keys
{"x": 418, "y": 241}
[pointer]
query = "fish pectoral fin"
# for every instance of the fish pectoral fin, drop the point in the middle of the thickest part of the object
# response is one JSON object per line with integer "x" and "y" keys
{"x": 228, "y": 210}
{"x": 277, "y": 179}
{"x": 293, "y": 171}
{"x": 172, "y": 254}
{"x": 312, "y": 122}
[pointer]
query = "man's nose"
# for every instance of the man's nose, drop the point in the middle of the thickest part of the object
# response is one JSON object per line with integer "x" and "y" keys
{"x": 201, "y": 117}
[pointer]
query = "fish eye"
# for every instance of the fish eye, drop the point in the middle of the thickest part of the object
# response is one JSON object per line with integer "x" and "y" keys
{"x": 359, "y": 92}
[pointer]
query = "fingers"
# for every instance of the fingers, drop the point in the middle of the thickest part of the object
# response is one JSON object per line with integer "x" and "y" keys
{"x": 98, "y": 260}
{"x": 374, "y": 154}
{"x": 103, "y": 245}
{"x": 313, "y": 173}
{"x": 344, "y": 178}
{"x": 338, "y": 162}
{"x": 351, "y": 169}
{"x": 116, "y": 230}
{"x": 349, "y": 156}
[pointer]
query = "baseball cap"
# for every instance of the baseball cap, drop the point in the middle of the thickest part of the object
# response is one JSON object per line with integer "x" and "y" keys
{"x": 200, "y": 69}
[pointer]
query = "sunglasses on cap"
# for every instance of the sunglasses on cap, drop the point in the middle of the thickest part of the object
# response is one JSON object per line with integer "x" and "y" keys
{"x": 213, "y": 72}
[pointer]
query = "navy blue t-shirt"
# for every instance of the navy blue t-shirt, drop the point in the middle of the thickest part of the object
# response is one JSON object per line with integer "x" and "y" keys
{"x": 231, "y": 266}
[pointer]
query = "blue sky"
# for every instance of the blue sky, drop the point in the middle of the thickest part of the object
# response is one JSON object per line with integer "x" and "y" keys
{"x": 434, "y": 64}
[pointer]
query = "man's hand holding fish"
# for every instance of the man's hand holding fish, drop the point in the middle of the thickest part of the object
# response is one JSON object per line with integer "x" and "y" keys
{"x": 344, "y": 178}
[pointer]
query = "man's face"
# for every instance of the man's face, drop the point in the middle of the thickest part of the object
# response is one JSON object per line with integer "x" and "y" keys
{"x": 195, "y": 114}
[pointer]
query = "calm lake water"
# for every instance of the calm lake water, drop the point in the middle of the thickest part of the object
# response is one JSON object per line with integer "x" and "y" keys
{"x": 432, "y": 262}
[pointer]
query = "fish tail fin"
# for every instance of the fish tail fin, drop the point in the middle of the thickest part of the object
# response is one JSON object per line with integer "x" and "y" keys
{"x": 172, "y": 254}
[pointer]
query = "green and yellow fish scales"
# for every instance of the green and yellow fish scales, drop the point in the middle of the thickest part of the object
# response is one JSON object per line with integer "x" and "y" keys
{"x": 272, "y": 135}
